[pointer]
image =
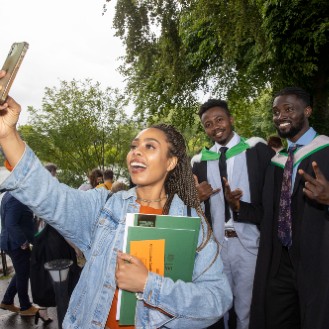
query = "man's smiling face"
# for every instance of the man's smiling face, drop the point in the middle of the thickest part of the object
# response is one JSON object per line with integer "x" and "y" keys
{"x": 218, "y": 125}
{"x": 290, "y": 116}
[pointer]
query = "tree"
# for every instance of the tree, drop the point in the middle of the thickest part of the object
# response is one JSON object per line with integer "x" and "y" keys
{"x": 299, "y": 37}
{"x": 81, "y": 127}
{"x": 236, "y": 49}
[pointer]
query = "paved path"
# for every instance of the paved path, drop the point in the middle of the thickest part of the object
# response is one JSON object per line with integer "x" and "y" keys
{"x": 9, "y": 320}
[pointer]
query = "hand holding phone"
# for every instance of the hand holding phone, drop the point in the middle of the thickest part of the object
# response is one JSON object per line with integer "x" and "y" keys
{"x": 11, "y": 66}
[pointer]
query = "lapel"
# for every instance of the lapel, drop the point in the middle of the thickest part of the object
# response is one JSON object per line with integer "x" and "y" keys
{"x": 318, "y": 143}
{"x": 202, "y": 171}
{"x": 305, "y": 164}
{"x": 238, "y": 171}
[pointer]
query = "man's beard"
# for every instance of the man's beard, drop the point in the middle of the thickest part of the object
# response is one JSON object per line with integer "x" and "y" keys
{"x": 290, "y": 133}
{"x": 293, "y": 131}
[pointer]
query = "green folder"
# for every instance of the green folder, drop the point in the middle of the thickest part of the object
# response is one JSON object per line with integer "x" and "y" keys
{"x": 181, "y": 239}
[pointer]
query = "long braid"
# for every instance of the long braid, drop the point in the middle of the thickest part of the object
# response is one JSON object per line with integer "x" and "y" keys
{"x": 180, "y": 180}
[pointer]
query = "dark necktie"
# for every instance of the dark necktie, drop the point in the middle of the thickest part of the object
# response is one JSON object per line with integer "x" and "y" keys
{"x": 284, "y": 225}
{"x": 223, "y": 173}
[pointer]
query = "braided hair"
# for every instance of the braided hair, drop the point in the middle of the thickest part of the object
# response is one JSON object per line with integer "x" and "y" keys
{"x": 180, "y": 180}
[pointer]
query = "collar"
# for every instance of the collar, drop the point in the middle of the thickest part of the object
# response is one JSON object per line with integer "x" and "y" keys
{"x": 317, "y": 144}
{"x": 241, "y": 146}
{"x": 233, "y": 141}
{"x": 305, "y": 139}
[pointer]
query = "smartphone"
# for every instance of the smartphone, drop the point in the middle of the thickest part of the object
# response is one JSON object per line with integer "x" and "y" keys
{"x": 11, "y": 66}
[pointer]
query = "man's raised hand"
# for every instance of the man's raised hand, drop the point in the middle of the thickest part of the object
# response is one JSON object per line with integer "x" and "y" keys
{"x": 204, "y": 189}
{"x": 316, "y": 188}
{"x": 232, "y": 197}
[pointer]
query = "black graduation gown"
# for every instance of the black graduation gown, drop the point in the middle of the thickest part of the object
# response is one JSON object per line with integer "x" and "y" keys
{"x": 50, "y": 245}
{"x": 309, "y": 251}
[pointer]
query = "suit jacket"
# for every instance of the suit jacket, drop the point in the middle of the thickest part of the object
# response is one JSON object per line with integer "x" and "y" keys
{"x": 17, "y": 224}
{"x": 309, "y": 251}
{"x": 258, "y": 159}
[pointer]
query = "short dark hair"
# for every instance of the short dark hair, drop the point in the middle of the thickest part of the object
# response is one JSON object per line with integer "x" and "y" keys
{"x": 108, "y": 174}
{"x": 274, "y": 141}
{"x": 51, "y": 167}
{"x": 212, "y": 102}
{"x": 297, "y": 91}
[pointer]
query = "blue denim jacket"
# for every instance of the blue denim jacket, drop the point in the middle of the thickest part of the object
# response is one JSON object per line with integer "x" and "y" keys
{"x": 96, "y": 226}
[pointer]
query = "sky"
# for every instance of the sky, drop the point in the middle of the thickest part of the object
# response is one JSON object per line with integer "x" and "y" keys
{"x": 68, "y": 39}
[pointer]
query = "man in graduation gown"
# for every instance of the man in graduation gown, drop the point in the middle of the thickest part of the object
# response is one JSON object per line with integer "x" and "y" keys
{"x": 234, "y": 227}
{"x": 291, "y": 286}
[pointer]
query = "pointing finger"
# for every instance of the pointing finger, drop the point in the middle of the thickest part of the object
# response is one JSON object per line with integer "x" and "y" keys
{"x": 318, "y": 173}
{"x": 307, "y": 177}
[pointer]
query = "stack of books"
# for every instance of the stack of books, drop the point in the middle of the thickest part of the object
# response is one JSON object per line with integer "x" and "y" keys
{"x": 166, "y": 245}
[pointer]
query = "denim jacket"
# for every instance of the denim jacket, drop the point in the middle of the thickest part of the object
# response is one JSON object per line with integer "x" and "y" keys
{"x": 96, "y": 225}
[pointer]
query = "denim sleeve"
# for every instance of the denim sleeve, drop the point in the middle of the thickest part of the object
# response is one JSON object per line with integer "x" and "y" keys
{"x": 72, "y": 212}
{"x": 196, "y": 304}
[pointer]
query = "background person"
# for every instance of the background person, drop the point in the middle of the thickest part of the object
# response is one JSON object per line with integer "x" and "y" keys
{"x": 17, "y": 232}
{"x": 108, "y": 179}
{"x": 95, "y": 178}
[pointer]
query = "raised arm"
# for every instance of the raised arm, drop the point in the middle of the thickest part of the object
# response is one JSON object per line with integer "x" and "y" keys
{"x": 10, "y": 141}
{"x": 71, "y": 212}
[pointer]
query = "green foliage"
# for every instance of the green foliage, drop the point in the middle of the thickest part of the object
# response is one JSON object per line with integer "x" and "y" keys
{"x": 80, "y": 127}
{"x": 177, "y": 50}
{"x": 253, "y": 117}
{"x": 194, "y": 135}
{"x": 298, "y": 33}
{"x": 155, "y": 68}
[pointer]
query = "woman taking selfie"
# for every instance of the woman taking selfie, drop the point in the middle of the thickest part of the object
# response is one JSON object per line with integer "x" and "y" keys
{"x": 158, "y": 165}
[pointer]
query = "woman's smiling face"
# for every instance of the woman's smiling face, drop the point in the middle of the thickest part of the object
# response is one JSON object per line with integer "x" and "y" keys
{"x": 148, "y": 160}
